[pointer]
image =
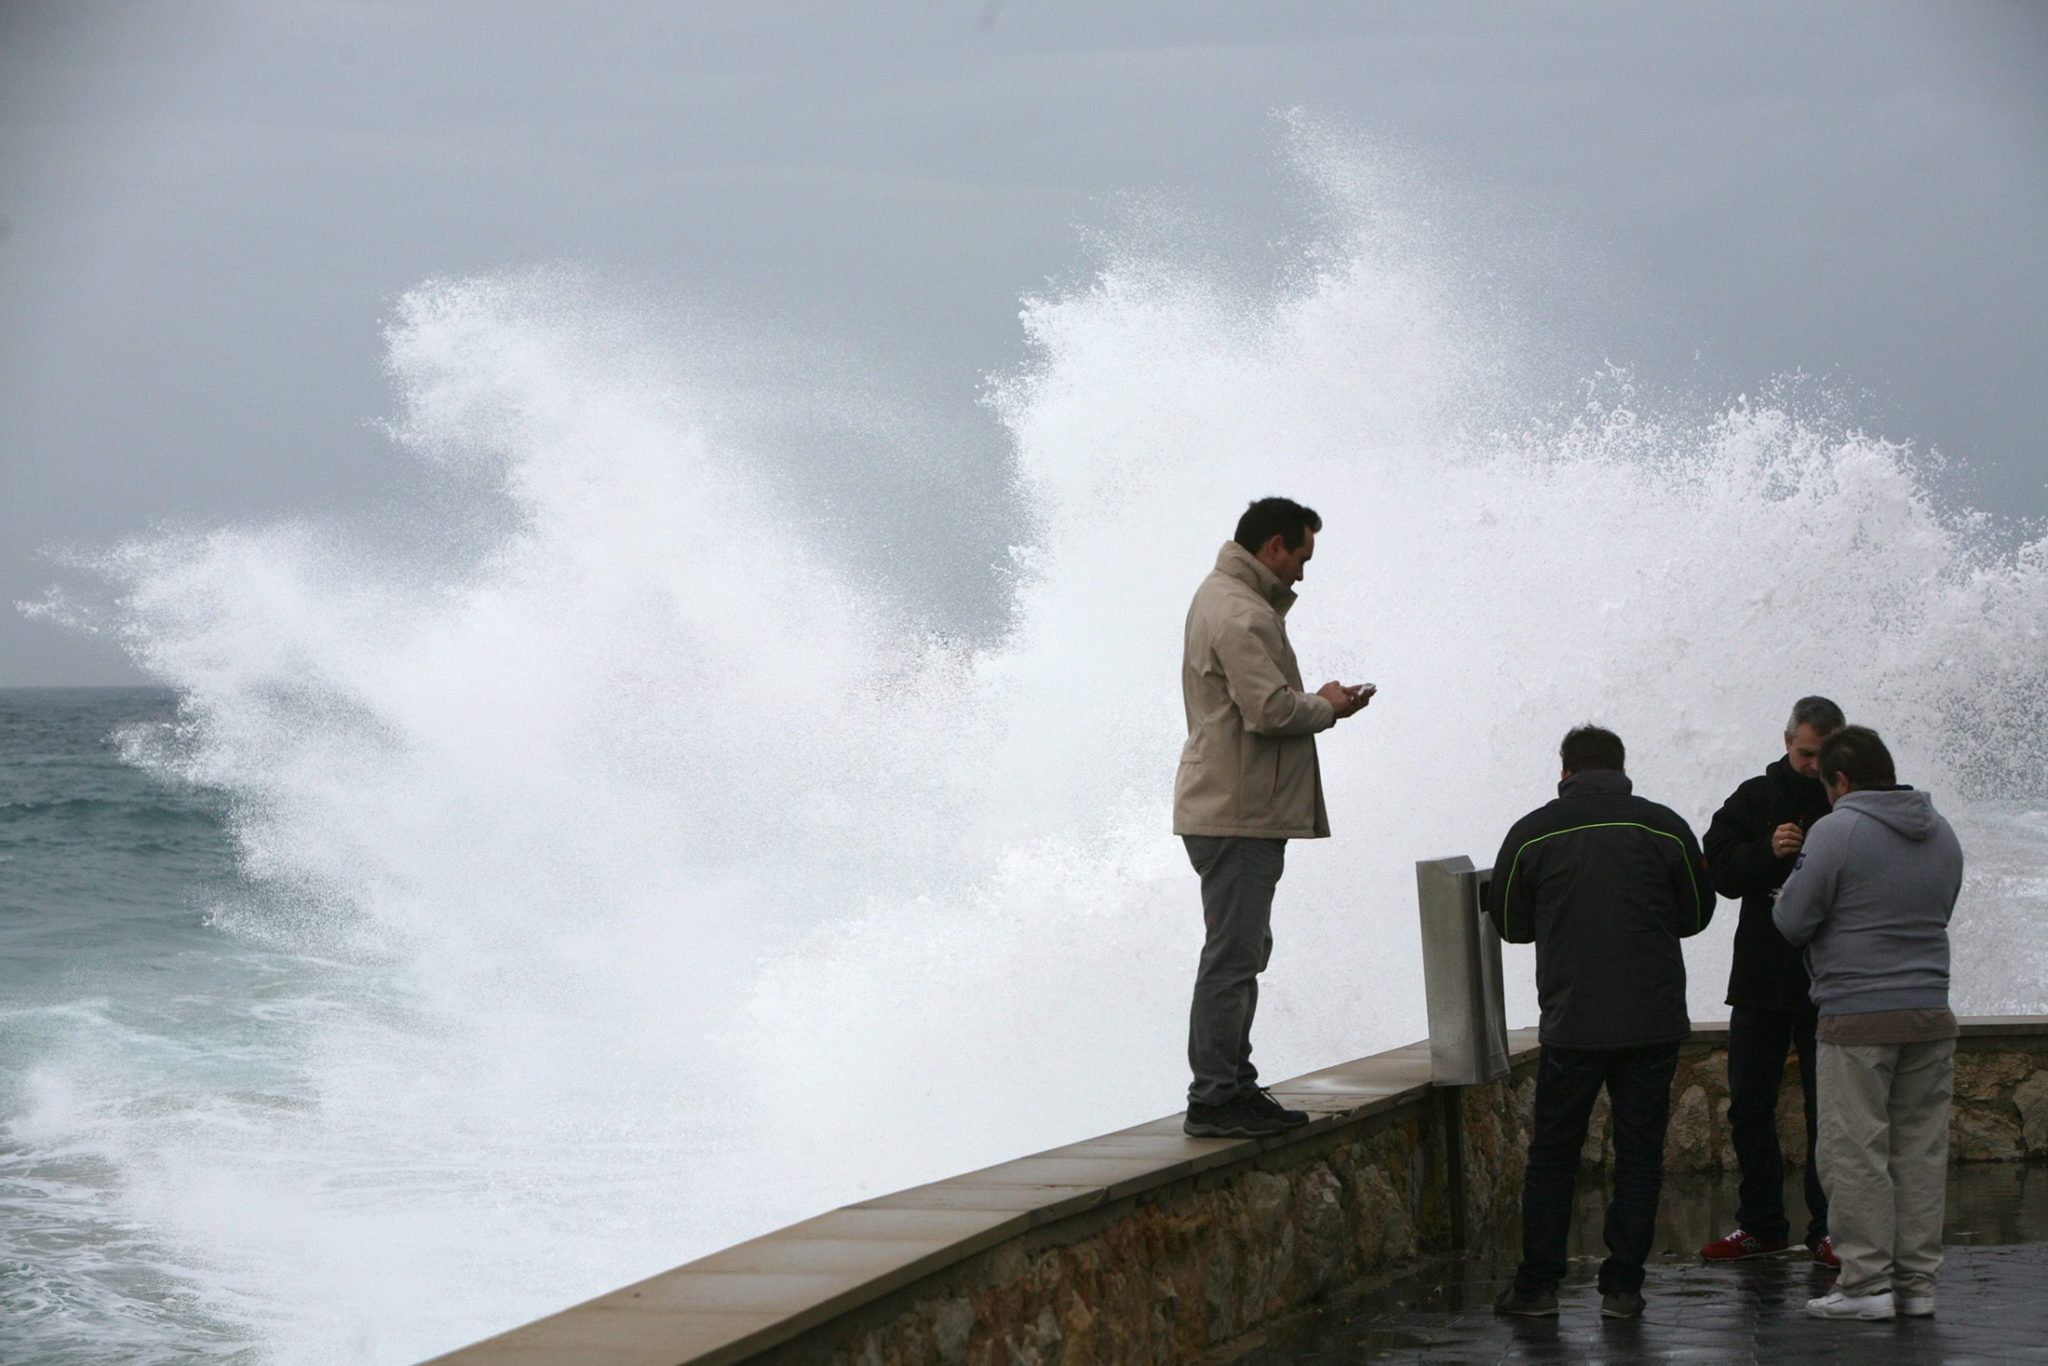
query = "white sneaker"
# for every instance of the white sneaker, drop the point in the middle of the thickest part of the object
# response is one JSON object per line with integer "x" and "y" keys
{"x": 1836, "y": 1305}
{"x": 1916, "y": 1306}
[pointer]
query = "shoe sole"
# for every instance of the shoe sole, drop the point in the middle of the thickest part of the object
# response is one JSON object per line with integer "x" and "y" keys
{"x": 1752, "y": 1256}
{"x": 1527, "y": 1313}
{"x": 1863, "y": 1316}
{"x": 1617, "y": 1314}
{"x": 1195, "y": 1129}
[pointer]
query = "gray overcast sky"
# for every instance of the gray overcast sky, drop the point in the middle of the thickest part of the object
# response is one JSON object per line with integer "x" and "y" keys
{"x": 206, "y": 209}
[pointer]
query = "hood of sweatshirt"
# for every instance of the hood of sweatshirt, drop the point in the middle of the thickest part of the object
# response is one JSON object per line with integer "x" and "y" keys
{"x": 1904, "y": 809}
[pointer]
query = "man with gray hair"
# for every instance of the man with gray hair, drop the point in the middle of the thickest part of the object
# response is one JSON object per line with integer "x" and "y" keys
{"x": 1750, "y": 848}
{"x": 1870, "y": 899}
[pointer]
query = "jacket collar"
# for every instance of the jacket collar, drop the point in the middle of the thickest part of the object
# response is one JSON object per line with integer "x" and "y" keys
{"x": 1238, "y": 563}
{"x": 1596, "y": 782}
{"x": 1780, "y": 769}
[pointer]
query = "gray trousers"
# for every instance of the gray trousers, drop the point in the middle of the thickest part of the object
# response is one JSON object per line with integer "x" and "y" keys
{"x": 1238, "y": 878}
{"x": 1884, "y": 1158}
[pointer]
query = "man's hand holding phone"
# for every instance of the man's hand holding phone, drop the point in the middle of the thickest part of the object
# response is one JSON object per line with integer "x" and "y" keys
{"x": 1347, "y": 699}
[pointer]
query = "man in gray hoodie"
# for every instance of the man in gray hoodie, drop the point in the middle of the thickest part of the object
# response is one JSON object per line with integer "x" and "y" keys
{"x": 1870, "y": 899}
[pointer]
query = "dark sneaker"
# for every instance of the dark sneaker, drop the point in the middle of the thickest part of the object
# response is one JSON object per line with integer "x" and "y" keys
{"x": 1739, "y": 1245}
{"x": 1824, "y": 1254}
{"x": 1266, "y": 1103}
{"x": 1234, "y": 1118}
{"x": 1621, "y": 1304}
{"x": 1530, "y": 1304}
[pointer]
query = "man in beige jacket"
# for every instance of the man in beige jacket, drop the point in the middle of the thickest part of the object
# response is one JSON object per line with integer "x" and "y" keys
{"x": 1248, "y": 783}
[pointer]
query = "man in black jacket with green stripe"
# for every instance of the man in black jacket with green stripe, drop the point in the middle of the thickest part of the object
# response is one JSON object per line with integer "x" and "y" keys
{"x": 1605, "y": 884}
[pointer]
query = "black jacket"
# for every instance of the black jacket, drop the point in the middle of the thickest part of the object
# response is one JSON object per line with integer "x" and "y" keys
{"x": 1768, "y": 973}
{"x": 1605, "y": 884}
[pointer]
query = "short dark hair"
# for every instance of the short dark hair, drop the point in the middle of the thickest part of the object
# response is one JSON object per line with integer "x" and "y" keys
{"x": 1824, "y": 716}
{"x": 1857, "y": 753}
{"x": 1282, "y": 517}
{"x": 1592, "y": 747}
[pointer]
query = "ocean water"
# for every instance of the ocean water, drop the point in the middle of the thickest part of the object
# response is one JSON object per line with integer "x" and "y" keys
{"x": 610, "y": 856}
{"x": 109, "y": 967}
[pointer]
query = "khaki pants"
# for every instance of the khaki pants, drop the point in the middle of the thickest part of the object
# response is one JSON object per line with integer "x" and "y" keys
{"x": 1884, "y": 1159}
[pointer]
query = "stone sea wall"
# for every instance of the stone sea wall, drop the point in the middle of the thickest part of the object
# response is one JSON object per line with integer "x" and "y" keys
{"x": 1147, "y": 1246}
{"x": 1203, "y": 1262}
{"x": 2000, "y": 1112}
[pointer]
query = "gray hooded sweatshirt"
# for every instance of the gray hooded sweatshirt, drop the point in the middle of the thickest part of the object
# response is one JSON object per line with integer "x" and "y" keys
{"x": 1870, "y": 898}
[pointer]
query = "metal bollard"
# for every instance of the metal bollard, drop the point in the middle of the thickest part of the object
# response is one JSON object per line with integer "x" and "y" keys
{"x": 1468, "y": 1032}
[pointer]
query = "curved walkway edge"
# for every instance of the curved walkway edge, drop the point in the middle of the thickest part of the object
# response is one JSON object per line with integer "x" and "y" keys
{"x": 1147, "y": 1245}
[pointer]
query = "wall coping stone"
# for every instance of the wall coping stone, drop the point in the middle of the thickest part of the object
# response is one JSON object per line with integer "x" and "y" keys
{"x": 757, "y": 1294}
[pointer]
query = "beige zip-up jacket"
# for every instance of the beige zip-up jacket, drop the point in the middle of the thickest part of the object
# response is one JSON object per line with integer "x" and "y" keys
{"x": 1249, "y": 766}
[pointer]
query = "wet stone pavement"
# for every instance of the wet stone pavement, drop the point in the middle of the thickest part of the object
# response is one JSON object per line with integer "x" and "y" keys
{"x": 1991, "y": 1303}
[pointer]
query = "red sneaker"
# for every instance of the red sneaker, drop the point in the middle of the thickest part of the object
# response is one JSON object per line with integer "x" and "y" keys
{"x": 1824, "y": 1253}
{"x": 1738, "y": 1245}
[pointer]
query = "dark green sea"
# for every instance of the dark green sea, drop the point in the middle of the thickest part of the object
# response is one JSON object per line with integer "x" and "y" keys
{"x": 110, "y": 968}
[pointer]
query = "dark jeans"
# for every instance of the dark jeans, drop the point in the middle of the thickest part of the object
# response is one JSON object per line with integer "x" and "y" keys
{"x": 1757, "y": 1043}
{"x": 1238, "y": 877}
{"x": 1638, "y": 1082}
